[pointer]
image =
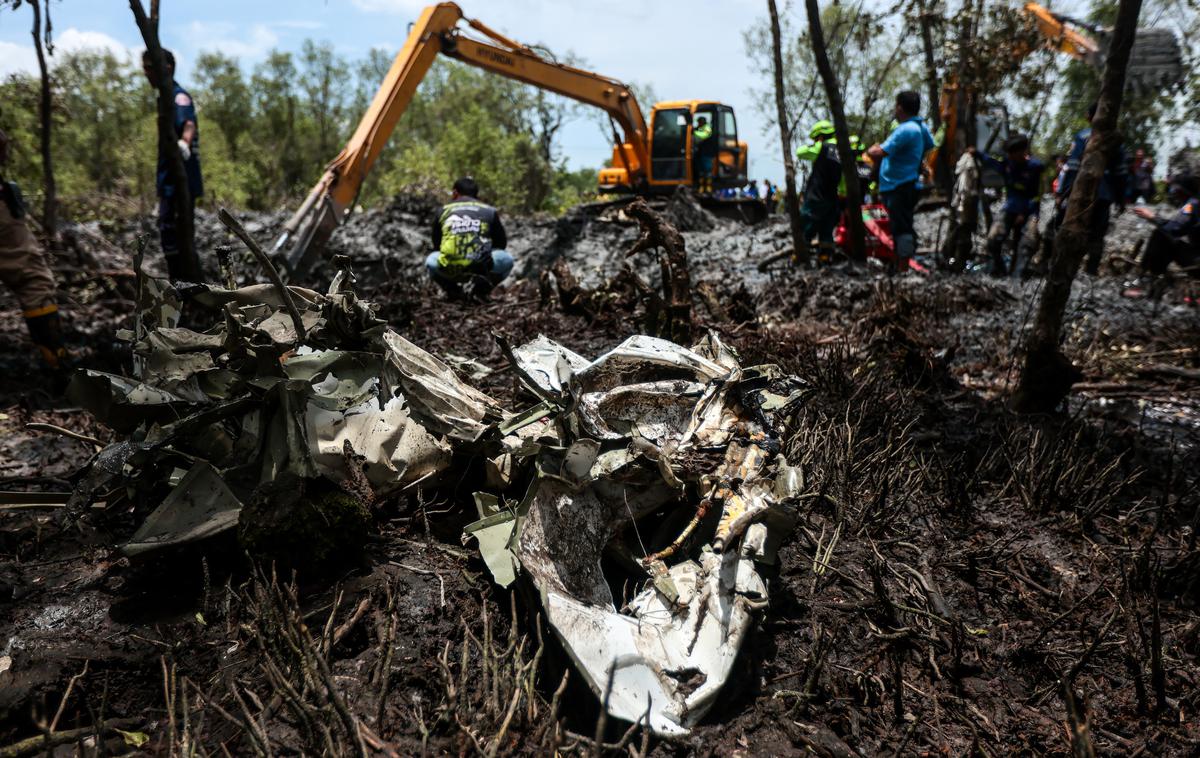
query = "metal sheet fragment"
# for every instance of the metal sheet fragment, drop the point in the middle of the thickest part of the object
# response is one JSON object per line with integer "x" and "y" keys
{"x": 637, "y": 429}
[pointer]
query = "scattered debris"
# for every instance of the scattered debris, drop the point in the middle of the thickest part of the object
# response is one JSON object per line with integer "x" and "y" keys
{"x": 321, "y": 390}
{"x": 294, "y": 412}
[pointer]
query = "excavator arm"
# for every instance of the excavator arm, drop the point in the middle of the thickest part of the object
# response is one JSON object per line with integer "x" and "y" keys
{"x": 437, "y": 31}
{"x": 1061, "y": 37}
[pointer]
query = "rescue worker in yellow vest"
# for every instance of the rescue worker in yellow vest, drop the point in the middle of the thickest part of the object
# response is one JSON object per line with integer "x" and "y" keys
{"x": 468, "y": 240}
{"x": 25, "y": 270}
{"x": 705, "y": 148}
{"x": 819, "y": 212}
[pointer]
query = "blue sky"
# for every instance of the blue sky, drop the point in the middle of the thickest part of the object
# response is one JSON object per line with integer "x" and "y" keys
{"x": 683, "y": 48}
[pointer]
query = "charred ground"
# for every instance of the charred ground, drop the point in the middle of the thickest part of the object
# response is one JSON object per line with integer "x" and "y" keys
{"x": 962, "y": 580}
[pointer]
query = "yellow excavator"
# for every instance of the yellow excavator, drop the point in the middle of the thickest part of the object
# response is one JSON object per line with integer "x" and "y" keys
{"x": 1155, "y": 64}
{"x": 645, "y": 161}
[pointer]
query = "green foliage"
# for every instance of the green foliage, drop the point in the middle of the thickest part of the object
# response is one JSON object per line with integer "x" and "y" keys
{"x": 871, "y": 61}
{"x": 267, "y": 134}
{"x": 103, "y": 130}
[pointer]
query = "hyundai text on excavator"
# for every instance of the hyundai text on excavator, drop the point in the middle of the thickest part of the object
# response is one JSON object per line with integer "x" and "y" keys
{"x": 645, "y": 161}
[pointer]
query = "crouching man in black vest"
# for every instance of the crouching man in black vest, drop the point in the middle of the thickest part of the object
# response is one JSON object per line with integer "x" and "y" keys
{"x": 468, "y": 241}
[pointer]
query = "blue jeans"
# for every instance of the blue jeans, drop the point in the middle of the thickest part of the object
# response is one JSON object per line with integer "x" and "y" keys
{"x": 502, "y": 266}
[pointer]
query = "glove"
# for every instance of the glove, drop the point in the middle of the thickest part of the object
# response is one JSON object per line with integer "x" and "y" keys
{"x": 185, "y": 149}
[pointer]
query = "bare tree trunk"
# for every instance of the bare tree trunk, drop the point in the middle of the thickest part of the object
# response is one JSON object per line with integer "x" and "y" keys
{"x": 1048, "y": 374}
{"x": 845, "y": 154}
{"x": 790, "y": 199}
{"x": 50, "y": 191}
{"x": 176, "y": 172}
{"x": 941, "y": 169}
{"x": 931, "y": 77}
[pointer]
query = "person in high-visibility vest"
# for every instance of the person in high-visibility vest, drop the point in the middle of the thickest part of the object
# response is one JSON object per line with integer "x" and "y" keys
{"x": 705, "y": 148}
{"x": 819, "y": 213}
{"x": 468, "y": 244}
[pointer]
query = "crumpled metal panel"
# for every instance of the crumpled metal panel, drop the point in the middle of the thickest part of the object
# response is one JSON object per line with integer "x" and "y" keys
{"x": 436, "y": 396}
{"x": 396, "y": 450}
{"x": 549, "y": 364}
{"x": 200, "y": 506}
{"x": 644, "y": 407}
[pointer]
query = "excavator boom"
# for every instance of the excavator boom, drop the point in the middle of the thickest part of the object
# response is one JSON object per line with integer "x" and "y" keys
{"x": 438, "y": 31}
{"x": 1061, "y": 37}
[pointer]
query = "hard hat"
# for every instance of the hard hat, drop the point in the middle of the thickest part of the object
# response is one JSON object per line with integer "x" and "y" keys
{"x": 821, "y": 129}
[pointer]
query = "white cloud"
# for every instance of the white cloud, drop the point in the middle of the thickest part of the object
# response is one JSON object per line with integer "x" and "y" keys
{"x": 298, "y": 24}
{"x": 406, "y": 7}
{"x": 16, "y": 57}
{"x": 73, "y": 40}
{"x": 235, "y": 41}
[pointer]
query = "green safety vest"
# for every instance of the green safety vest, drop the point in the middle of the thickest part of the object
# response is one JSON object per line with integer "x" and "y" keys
{"x": 466, "y": 234}
{"x": 701, "y": 133}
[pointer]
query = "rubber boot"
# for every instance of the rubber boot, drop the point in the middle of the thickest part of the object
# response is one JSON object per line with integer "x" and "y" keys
{"x": 45, "y": 329}
{"x": 906, "y": 248}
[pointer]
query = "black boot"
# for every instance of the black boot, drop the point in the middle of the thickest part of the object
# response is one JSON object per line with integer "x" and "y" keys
{"x": 45, "y": 329}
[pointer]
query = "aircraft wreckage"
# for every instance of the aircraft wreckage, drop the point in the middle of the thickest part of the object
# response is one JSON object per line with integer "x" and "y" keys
{"x": 654, "y": 467}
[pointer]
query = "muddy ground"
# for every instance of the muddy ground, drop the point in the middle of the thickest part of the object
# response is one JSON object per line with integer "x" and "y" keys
{"x": 962, "y": 581}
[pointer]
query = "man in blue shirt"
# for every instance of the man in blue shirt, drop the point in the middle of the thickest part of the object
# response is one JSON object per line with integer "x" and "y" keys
{"x": 1022, "y": 187}
{"x": 1112, "y": 190}
{"x": 187, "y": 142}
{"x": 899, "y": 159}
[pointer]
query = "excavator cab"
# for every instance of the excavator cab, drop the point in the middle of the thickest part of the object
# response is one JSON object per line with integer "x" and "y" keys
{"x": 675, "y": 153}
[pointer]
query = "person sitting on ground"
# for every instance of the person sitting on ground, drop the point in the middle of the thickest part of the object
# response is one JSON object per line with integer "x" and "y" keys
{"x": 899, "y": 159}
{"x": 1174, "y": 240}
{"x": 819, "y": 213}
{"x": 1022, "y": 184}
{"x": 25, "y": 270}
{"x": 468, "y": 240}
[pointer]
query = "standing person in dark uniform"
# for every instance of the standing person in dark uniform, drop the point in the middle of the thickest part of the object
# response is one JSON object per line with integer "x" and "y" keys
{"x": 1112, "y": 190}
{"x": 468, "y": 241}
{"x": 1022, "y": 201}
{"x": 25, "y": 270}
{"x": 187, "y": 136}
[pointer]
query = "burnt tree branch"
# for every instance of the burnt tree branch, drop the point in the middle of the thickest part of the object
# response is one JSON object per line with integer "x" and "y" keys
{"x": 675, "y": 321}
{"x": 791, "y": 200}
{"x": 176, "y": 172}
